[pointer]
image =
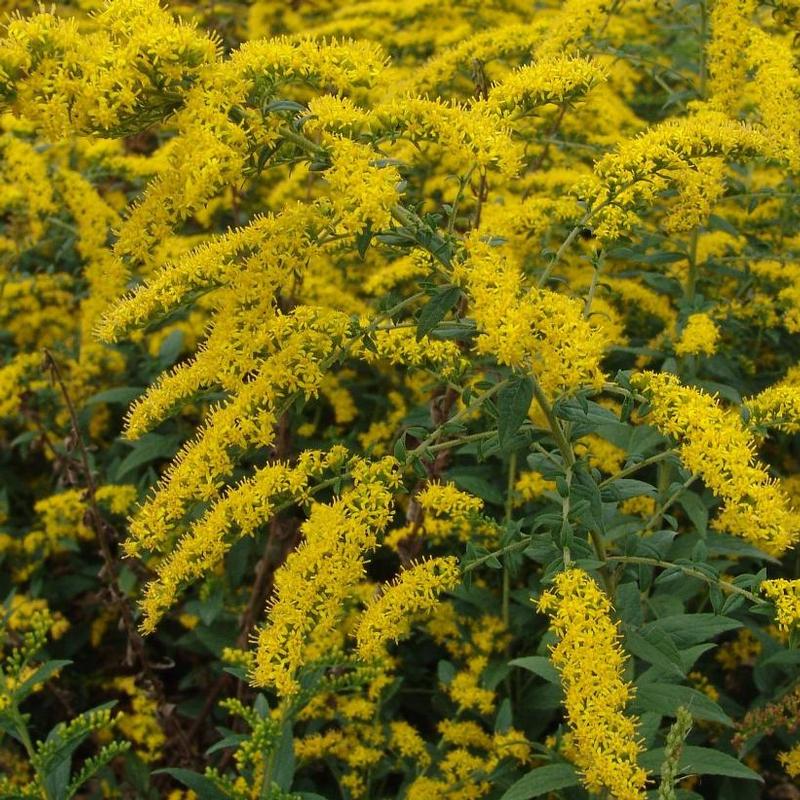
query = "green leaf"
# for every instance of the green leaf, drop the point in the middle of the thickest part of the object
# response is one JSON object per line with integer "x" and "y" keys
{"x": 666, "y": 698}
{"x": 276, "y": 106}
{"x": 541, "y": 781}
{"x": 585, "y": 499}
{"x": 478, "y": 486}
{"x": 505, "y": 718}
{"x": 363, "y": 240}
{"x": 702, "y": 761}
{"x": 688, "y": 629}
{"x": 513, "y": 402}
{"x": 55, "y": 754}
{"x": 696, "y": 510}
{"x": 690, "y": 655}
{"x": 151, "y": 447}
{"x": 445, "y": 671}
{"x": 540, "y": 666}
{"x": 783, "y": 658}
{"x": 204, "y": 787}
{"x": 662, "y": 257}
{"x": 45, "y": 671}
{"x": 587, "y": 420}
{"x": 655, "y": 647}
{"x": 435, "y": 309}
{"x": 121, "y": 395}
{"x": 94, "y": 764}
{"x": 283, "y": 774}
{"x": 716, "y": 223}
{"x": 629, "y": 604}
{"x": 400, "y": 451}
{"x": 170, "y": 349}
{"x": 56, "y": 777}
{"x": 546, "y": 698}
{"x": 722, "y": 389}
{"x": 623, "y": 488}
{"x": 589, "y": 564}
{"x": 233, "y": 740}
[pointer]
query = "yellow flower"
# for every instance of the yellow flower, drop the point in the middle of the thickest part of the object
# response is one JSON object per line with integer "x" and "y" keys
{"x": 791, "y": 761}
{"x": 361, "y": 193}
{"x": 408, "y": 743}
{"x": 560, "y": 79}
{"x": 776, "y": 407}
{"x": 699, "y": 336}
{"x": 590, "y": 661}
{"x": 528, "y": 328}
{"x": 641, "y": 168}
{"x": 413, "y": 593}
{"x": 444, "y": 499}
{"x": 531, "y": 484}
{"x": 713, "y": 443}
{"x": 317, "y": 578}
{"x": 786, "y": 596}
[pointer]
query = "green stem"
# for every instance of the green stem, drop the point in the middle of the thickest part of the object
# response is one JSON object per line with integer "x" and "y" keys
{"x": 520, "y": 544}
{"x": 691, "y": 572}
{"x": 473, "y": 437}
{"x": 462, "y": 184}
{"x": 691, "y": 281}
{"x": 512, "y": 473}
{"x": 555, "y": 427}
{"x": 587, "y": 307}
{"x": 466, "y": 411}
{"x": 599, "y": 545}
{"x": 565, "y": 509}
{"x": 635, "y": 467}
{"x": 21, "y": 730}
{"x": 411, "y": 221}
{"x": 302, "y": 142}
{"x": 563, "y": 249}
{"x": 656, "y": 518}
{"x": 703, "y": 61}
{"x": 611, "y": 388}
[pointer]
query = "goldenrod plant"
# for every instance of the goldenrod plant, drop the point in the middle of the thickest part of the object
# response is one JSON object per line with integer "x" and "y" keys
{"x": 400, "y": 400}
{"x": 47, "y": 770}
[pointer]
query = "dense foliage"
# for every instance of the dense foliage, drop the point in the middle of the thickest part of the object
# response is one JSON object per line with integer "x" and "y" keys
{"x": 400, "y": 400}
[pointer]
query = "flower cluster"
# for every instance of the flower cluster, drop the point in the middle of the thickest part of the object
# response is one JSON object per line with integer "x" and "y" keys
{"x": 590, "y": 662}
{"x": 786, "y": 596}
{"x": 714, "y": 444}
{"x": 330, "y": 333}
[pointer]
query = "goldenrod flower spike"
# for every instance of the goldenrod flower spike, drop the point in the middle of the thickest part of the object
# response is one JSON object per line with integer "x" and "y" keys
{"x": 133, "y": 68}
{"x": 714, "y": 444}
{"x": 558, "y": 80}
{"x": 299, "y": 345}
{"x": 698, "y": 337}
{"x": 238, "y": 513}
{"x": 777, "y": 407}
{"x": 317, "y": 578}
{"x": 590, "y": 662}
{"x": 786, "y": 596}
{"x": 414, "y": 592}
{"x": 640, "y": 169}
{"x": 528, "y": 328}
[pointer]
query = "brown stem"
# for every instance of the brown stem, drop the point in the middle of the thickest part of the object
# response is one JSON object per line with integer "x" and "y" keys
{"x": 481, "y": 91}
{"x": 481, "y": 195}
{"x": 537, "y": 165}
{"x": 102, "y": 528}
{"x": 211, "y": 698}
{"x": 280, "y": 531}
{"x": 441, "y": 407}
{"x": 103, "y": 531}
